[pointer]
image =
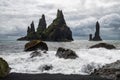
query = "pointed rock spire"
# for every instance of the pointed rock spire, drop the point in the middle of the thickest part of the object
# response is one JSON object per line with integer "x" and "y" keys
{"x": 41, "y": 25}
{"x": 97, "y": 33}
{"x": 60, "y": 18}
{"x": 90, "y": 37}
{"x": 28, "y": 30}
{"x": 58, "y": 30}
{"x": 60, "y": 14}
{"x": 32, "y": 27}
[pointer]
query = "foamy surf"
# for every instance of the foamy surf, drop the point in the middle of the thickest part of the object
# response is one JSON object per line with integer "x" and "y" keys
{"x": 88, "y": 58}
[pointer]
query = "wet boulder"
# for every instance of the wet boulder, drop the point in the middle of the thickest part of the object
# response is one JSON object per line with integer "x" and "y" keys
{"x": 66, "y": 53}
{"x": 103, "y": 45}
{"x": 110, "y": 71}
{"x": 4, "y": 68}
{"x": 46, "y": 67}
{"x": 35, "y": 54}
{"x": 36, "y": 44}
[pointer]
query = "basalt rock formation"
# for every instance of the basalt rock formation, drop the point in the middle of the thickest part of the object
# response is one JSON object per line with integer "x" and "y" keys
{"x": 31, "y": 34}
{"x": 41, "y": 26}
{"x": 56, "y": 31}
{"x": 97, "y": 34}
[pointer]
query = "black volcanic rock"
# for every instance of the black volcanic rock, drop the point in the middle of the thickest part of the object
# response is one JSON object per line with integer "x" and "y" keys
{"x": 90, "y": 37}
{"x": 103, "y": 45}
{"x": 110, "y": 71}
{"x": 58, "y": 30}
{"x": 36, "y": 44}
{"x": 97, "y": 34}
{"x": 31, "y": 34}
{"x": 66, "y": 53}
{"x": 35, "y": 54}
{"x": 42, "y": 25}
{"x": 32, "y": 27}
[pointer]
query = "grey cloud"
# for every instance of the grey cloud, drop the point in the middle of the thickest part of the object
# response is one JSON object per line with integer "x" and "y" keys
{"x": 81, "y": 16}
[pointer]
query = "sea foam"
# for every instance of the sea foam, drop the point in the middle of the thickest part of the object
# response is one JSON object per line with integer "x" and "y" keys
{"x": 95, "y": 58}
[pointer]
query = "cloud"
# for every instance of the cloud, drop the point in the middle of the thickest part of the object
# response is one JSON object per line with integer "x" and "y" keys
{"x": 80, "y": 15}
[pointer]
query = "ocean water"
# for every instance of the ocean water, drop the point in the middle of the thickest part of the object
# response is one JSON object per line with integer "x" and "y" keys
{"x": 89, "y": 59}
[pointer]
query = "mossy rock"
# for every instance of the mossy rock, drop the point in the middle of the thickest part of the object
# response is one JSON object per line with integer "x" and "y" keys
{"x": 4, "y": 68}
{"x": 36, "y": 44}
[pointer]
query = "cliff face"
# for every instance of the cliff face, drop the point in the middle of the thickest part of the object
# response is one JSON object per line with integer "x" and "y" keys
{"x": 97, "y": 34}
{"x": 56, "y": 31}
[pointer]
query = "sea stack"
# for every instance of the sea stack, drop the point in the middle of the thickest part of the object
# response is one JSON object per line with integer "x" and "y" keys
{"x": 97, "y": 33}
{"x": 41, "y": 25}
{"x": 58, "y": 29}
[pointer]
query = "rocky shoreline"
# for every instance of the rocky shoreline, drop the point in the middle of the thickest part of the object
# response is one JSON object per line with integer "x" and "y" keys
{"x": 107, "y": 72}
{"x": 110, "y": 71}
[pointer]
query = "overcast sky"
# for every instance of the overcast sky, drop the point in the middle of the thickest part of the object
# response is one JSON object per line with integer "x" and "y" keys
{"x": 80, "y": 15}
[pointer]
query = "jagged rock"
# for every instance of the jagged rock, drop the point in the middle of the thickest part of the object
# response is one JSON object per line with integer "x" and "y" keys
{"x": 47, "y": 67}
{"x": 28, "y": 30}
{"x": 58, "y": 30}
{"x": 97, "y": 33}
{"x": 110, "y": 71}
{"x": 66, "y": 53}
{"x": 36, "y": 44}
{"x": 35, "y": 53}
{"x": 103, "y": 45}
{"x": 31, "y": 34}
{"x": 90, "y": 37}
{"x": 42, "y": 25}
{"x": 4, "y": 68}
{"x": 32, "y": 27}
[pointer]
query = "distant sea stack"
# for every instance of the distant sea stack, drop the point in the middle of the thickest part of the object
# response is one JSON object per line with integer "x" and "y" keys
{"x": 56, "y": 31}
{"x": 97, "y": 34}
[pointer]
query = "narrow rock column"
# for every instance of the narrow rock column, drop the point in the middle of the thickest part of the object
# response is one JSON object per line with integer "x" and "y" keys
{"x": 97, "y": 33}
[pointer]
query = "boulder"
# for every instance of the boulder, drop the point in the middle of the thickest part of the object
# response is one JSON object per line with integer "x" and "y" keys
{"x": 110, "y": 71}
{"x": 35, "y": 54}
{"x": 103, "y": 45}
{"x": 36, "y": 44}
{"x": 66, "y": 53}
{"x": 47, "y": 67}
{"x": 4, "y": 68}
